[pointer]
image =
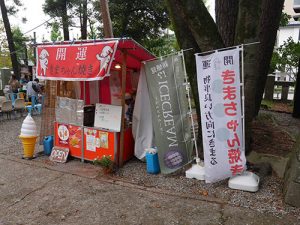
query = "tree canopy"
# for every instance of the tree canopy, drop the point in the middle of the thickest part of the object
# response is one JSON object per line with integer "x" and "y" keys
{"x": 286, "y": 57}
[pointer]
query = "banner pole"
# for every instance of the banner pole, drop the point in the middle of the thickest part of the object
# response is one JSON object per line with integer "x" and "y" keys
{"x": 164, "y": 56}
{"x": 243, "y": 96}
{"x": 227, "y": 48}
{"x": 121, "y": 144}
{"x": 190, "y": 108}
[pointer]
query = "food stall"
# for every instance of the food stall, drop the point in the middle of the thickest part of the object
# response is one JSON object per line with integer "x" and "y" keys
{"x": 104, "y": 70}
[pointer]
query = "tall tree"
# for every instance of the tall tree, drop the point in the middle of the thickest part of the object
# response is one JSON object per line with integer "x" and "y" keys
{"x": 251, "y": 26}
{"x": 286, "y": 59}
{"x": 55, "y": 32}
{"x": 9, "y": 35}
{"x": 20, "y": 44}
{"x": 83, "y": 20}
{"x": 59, "y": 9}
{"x": 226, "y": 18}
{"x": 267, "y": 37}
{"x": 141, "y": 20}
{"x": 108, "y": 31}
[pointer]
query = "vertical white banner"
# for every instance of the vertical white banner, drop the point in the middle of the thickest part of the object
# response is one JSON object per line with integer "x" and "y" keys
{"x": 218, "y": 76}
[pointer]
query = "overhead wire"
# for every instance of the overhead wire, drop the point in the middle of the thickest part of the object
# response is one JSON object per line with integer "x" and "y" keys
{"x": 30, "y": 31}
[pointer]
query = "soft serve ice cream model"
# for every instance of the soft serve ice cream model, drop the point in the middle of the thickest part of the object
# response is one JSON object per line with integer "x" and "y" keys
{"x": 28, "y": 136}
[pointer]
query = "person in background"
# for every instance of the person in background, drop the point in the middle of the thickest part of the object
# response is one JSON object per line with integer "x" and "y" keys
{"x": 33, "y": 89}
{"x": 129, "y": 101}
{"x": 14, "y": 83}
{"x": 24, "y": 80}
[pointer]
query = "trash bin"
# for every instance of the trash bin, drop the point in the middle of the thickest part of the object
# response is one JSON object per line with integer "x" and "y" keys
{"x": 152, "y": 161}
{"x": 48, "y": 144}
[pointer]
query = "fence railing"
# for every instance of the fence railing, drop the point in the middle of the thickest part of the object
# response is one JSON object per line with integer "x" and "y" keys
{"x": 278, "y": 90}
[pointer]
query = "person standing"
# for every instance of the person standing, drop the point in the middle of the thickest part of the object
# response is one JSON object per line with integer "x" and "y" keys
{"x": 33, "y": 89}
{"x": 14, "y": 83}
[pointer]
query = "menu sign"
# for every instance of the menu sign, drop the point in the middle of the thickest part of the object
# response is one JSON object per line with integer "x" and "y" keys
{"x": 108, "y": 117}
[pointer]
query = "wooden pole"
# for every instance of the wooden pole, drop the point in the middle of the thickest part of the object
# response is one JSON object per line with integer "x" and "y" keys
{"x": 124, "y": 59}
{"x": 108, "y": 33}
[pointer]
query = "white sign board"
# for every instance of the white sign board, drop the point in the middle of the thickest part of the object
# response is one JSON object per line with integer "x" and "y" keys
{"x": 108, "y": 117}
{"x": 218, "y": 76}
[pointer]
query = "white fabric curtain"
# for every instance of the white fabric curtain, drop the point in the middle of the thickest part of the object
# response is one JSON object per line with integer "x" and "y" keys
{"x": 142, "y": 128}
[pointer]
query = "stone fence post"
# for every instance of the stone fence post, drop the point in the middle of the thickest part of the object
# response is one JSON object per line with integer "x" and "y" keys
{"x": 269, "y": 88}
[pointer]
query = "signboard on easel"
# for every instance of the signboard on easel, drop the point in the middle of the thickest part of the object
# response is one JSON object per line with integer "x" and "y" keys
{"x": 108, "y": 117}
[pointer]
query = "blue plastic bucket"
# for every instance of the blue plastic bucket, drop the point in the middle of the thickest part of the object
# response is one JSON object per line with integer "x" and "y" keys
{"x": 152, "y": 163}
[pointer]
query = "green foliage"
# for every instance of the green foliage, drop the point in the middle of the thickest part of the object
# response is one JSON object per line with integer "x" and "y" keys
{"x": 284, "y": 20}
{"x": 266, "y": 104}
{"x": 20, "y": 42}
{"x": 104, "y": 162}
{"x": 12, "y": 6}
{"x": 55, "y": 32}
{"x": 144, "y": 21}
{"x": 285, "y": 58}
{"x": 162, "y": 45}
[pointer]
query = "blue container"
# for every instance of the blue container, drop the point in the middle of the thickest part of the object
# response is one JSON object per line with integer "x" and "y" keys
{"x": 48, "y": 144}
{"x": 152, "y": 163}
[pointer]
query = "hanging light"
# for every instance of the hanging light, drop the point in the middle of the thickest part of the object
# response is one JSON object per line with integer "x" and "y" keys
{"x": 117, "y": 66}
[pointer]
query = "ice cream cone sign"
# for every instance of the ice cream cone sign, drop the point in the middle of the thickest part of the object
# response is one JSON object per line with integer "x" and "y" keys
{"x": 28, "y": 136}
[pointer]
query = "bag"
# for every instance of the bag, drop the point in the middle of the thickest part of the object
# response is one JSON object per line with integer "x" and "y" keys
{"x": 35, "y": 87}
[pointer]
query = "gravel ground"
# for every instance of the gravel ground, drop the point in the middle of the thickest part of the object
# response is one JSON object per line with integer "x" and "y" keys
{"x": 268, "y": 199}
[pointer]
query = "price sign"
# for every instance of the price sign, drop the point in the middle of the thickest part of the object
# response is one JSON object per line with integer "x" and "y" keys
{"x": 59, "y": 154}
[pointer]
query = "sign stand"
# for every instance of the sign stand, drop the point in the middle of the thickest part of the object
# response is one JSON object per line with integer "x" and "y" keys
{"x": 197, "y": 170}
{"x": 247, "y": 181}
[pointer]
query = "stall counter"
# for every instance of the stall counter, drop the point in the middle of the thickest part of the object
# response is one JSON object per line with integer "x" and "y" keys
{"x": 89, "y": 143}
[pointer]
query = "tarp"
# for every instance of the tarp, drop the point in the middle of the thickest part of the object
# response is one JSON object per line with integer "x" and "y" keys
{"x": 218, "y": 76}
{"x": 172, "y": 130}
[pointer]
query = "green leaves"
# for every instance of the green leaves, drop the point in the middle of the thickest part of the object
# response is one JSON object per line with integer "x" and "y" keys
{"x": 285, "y": 58}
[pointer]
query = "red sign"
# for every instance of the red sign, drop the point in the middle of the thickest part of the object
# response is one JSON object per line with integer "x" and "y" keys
{"x": 63, "y": 134}
{"x": 75, "y": 62}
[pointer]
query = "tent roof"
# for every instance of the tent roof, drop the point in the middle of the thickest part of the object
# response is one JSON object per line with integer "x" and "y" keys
{"x": 135, "y": 53}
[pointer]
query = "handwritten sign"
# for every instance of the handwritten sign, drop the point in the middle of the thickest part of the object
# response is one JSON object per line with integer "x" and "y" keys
{"x": 59, "y": 154}
{"x": 108, "y": 117}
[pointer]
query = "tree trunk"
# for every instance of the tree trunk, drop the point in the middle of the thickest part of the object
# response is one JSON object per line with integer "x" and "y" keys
{"x": 296, "y": 109}
{"x": 201, "y": 25}
{"x": 186, "y": 40}
{"x": 267, "y": 37}
{"x": 226, "y": 18}
{"x": 65, "y": 21}
{"x": 247, "y": 32}
{"x": 83, "y": 20}
{"x": 9, "y": 35}
{"x": 108, "y": 33}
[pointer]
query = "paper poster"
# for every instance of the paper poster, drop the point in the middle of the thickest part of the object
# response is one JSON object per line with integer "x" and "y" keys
{"x": 103, "y": 137}
{"x": 75, "y": 136}
{"x": 91, "y": 143}
{"x": 90, "y": 139}
{"x": 63, "y": 134}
